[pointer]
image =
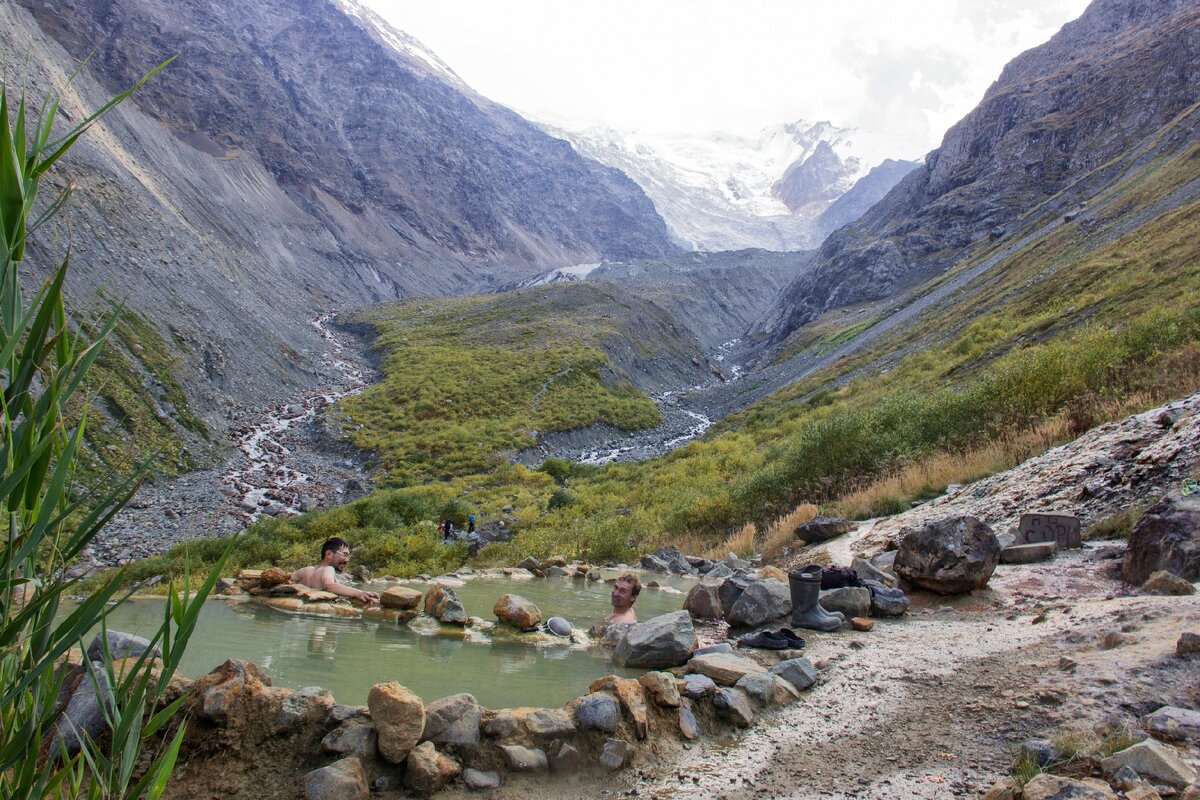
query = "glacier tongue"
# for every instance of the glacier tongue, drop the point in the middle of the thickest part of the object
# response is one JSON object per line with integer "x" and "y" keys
{"x": 722, "y": 191}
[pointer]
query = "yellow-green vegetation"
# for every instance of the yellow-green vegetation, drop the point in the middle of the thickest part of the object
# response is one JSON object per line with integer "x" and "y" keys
{"x": 134, "y": 367}
{"x": 468, "y": 380}
{"x": 1076, "y": 328}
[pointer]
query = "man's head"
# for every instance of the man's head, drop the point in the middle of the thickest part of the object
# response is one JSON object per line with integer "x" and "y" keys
{"x": 336, "y": 552}
{"x": 625, "y": 591}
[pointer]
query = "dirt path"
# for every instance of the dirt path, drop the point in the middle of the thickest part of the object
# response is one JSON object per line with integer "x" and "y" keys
{"x": 932, "y": 705}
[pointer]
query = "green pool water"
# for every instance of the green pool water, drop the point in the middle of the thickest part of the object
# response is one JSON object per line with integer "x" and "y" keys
{"x": 348, "y": 656}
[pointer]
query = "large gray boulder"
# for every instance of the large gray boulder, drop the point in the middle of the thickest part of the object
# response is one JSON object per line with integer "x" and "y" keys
{"x": 851, "y": 601}
{"x": 84, "y": 716}
{"x": 731, "y": 589}
{"x": 704, "y": 602}
{"x": 664, "y": 641}
{"x": 597, "y": 712}
{"x": 1170, "y": 722}
{"x": 453, "y": 721}
{"x": 1167, "y": 537}
{"x": 764, "y": 600}
{"x": 676, "y": 561}
{"x": 341, "y": 780}
{"x": 120, "y": 645}
{"x": 821, "y": 529}
{"x": 948, "y": 556}
{"x": 1154, "y": 761}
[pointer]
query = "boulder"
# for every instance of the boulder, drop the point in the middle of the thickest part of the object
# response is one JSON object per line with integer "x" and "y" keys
{"x": 799, "y": 672}
{"x": 341, "y": 780}
{"x": 546, "y": 723}
{"x": 653, "y": 563}
{"x": 886, "y": 601}
{"x": 554, "y": 561}
{"x": 230, "y": 684}
{"x": 556, "y": 572}
{"x": 733, "y": 706}
{"x": 633, "y": 700}
{"x": 759, "y": 687}
{"x": 85, "y": 716}
{"x": 354, "y": 737}
{"x": 689, "y": 727}
{"x": 704, "y": 602}
{"x": 616, "y": 753}
{"x": 563, "y": 757}
{"x": 867, "y": 571}
{"x": 719, "y": 570}
{"x": 479, "y": 780}
{"x": 120, "y": 645}
{"x": 524, "y": 759}
{"x": 661, "y": 686}
{"x": 852, "y": 601}
{"x": 1167, "y": 537}
{"x": 441, "y": 602}
{"x": 821, "y": 529}
{"x": 310, "y": 702}
{"x": 453, "y": 721}
{"x": 1028, "y": 553}
{"x": 273, "y": 576}
{"x": 677, "y": 563}
{"x": 399, "y": 718}
{"x": 1038, "y": 527}
{"x": 1166, "y": 583}
{"x": 1054, "y": 787}
{"x": 597, "y": 712}
{"x": 664, "y": 641}
{"x": 731, "y": 589}
{"x": 426, "y": 770}
{"x": 361, "y": 573}
{"x": 1189, "y": 642}
{"x": 697, "y": 686}
{"x": 530, "y": 564}
{"x": 400, "y": 597}
{"x": 948, "y": 556}
{"x": 723, "y": 668}
{"x": 516, "y": 610}
{"x": 1154, "y": 761}
{"x": 1170, "y": 722}
{"x": 761, "y": 602}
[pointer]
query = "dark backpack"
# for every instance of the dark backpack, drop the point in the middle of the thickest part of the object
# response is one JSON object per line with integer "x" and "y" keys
{"x": 838, "y": 577}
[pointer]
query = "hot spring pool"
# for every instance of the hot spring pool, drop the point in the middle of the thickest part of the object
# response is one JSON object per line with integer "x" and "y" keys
{"x": 348, "y": 656}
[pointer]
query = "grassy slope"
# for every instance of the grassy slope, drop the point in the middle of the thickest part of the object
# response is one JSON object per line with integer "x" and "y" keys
{"x": 1071, "y": 328}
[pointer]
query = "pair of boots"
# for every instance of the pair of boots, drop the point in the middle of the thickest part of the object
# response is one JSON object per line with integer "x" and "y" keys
{"x": 805, "y": 585}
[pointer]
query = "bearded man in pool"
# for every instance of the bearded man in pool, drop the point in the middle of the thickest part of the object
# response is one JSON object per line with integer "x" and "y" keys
{"x": 335, "y": 553}
{"x": 624, "y": 594}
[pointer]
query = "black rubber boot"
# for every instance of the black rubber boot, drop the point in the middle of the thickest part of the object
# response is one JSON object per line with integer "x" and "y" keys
{"x": 805, "y": 585}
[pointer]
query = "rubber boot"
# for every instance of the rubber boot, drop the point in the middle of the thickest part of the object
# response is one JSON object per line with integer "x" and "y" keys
{"x": 805, "y": 585}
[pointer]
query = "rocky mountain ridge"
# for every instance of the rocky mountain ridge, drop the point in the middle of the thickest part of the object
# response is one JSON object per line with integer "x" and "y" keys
{"x": 1062, "y": 123}
{"x": 295, "y": 159}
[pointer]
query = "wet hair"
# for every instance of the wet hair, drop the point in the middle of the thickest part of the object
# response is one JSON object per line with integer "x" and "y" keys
{"x": 633, "y": 582}
{"x": 333, "y": 543}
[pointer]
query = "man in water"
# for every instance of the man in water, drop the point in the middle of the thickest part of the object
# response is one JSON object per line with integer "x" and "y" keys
{"x": 335, "y": 553}
{"x": 624, "y": 593}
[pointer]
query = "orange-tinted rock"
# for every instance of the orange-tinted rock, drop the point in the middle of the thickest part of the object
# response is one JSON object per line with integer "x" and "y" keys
{"x": 399, "y": 718}
{"x": 233, "y": 682}
{"x": 273, "y": 576}
{"x": 861, "y": 623}
{"x": 400, "y": 597}
{"x": 516, "y": 610}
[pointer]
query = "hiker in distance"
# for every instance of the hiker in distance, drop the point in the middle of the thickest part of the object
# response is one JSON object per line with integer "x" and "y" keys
{"x": 624, "y": 593}
{"x": 335, "y": 553}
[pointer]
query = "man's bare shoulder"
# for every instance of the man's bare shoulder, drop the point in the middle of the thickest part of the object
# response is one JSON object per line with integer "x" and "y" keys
{"x": 313, "y": 577}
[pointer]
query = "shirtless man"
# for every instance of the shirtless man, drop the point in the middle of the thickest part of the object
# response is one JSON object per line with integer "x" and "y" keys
{"x": 624, "y": 593}
{"x": 334, "y": 555}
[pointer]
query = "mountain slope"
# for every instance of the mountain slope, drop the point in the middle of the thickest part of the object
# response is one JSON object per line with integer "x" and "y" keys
{"x": 1062, "y": 123}
{"x": 293, "y": 160}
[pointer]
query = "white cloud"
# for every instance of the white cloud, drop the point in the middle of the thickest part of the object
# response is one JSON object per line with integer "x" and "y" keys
{"x": 903, "y": 70}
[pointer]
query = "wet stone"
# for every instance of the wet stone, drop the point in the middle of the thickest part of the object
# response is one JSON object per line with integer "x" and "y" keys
{"x": 478, "y": 780}
{"x": 597, "y": 712}
{"x": 697, "y": 686}
{"x": 524, "y": 759}
{"x": 616, "y": 753}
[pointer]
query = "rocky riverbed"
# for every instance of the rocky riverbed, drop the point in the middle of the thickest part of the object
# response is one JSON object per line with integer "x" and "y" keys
{"x": 281, "y": 460}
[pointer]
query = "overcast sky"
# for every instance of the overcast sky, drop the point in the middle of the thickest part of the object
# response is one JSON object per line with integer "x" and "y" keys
{"x": 903, "y": 69}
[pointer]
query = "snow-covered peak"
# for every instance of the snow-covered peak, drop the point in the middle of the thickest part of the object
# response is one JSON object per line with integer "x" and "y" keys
{"x": 723, "y": 190}
{"x": 400, "y": 41}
